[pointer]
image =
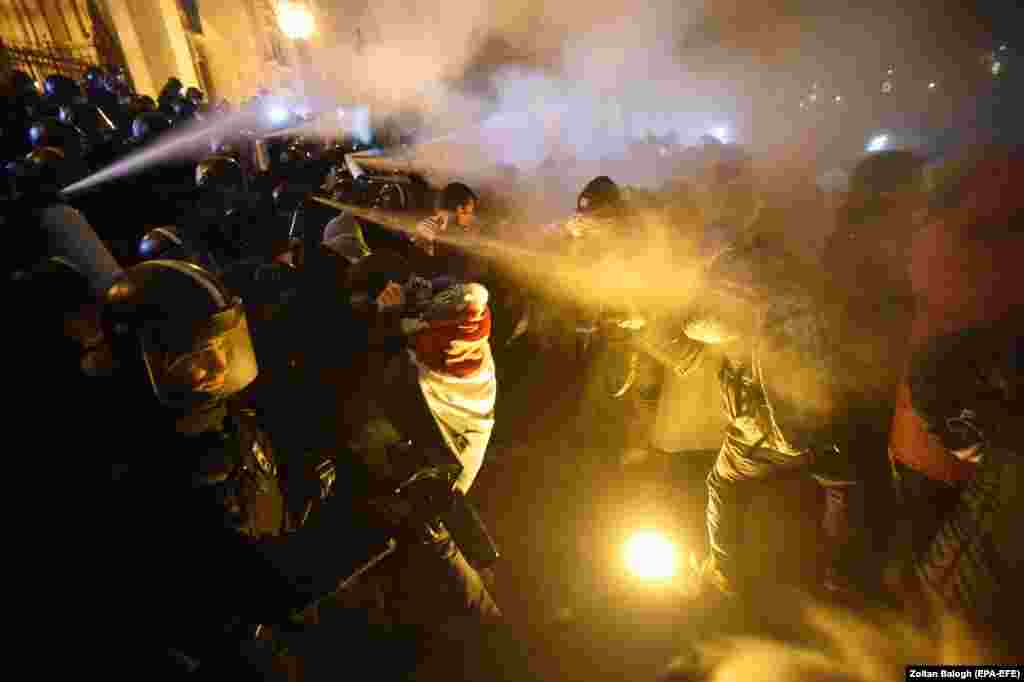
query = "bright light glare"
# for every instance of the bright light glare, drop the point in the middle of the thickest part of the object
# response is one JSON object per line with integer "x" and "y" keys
{"x": 720, "y": 133}
{"x": 878, "y": 143}
{"x": 931, "y": 86}
{"x": 996, "y": 68}
{"x": 296, "y": 21}
{"x": 277, "y": 115}
{"x": 650, "y": 555}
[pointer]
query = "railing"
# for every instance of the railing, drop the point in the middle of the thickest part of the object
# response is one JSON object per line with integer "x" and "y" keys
{"x": 42, "y": 61}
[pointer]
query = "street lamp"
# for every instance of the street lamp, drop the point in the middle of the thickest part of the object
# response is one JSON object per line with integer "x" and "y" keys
{"x": 651, "y": 556}
{"x": 297, "y": 23}
{"x": 296, "y": 20}
{"x": 878, "y": 143}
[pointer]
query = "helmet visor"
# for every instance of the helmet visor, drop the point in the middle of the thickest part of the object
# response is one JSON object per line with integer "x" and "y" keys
{"x": 206, "y": 363}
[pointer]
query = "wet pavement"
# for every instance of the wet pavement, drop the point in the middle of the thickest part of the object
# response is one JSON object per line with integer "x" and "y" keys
{"x": 562, "y": 487}
{"x": 560, "y": 495}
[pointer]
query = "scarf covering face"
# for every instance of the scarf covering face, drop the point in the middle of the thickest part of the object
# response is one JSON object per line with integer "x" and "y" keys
{"x": 454, "y": 331}
{"x": 452, "y": 354}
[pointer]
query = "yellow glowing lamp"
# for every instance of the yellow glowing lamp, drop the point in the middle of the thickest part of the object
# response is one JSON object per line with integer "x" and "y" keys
{"x": 651, "y": 555}
{"x": 295, "y": 20}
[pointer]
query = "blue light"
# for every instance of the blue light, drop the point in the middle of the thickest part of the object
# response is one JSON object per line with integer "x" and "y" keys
{"x": 277, "y": 115}
{"x": 878, "y": 143}
{"x": 720, "y": 133}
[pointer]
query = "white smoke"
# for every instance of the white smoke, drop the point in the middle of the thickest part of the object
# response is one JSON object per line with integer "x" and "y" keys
{"x": 583, "y": 80}
{"x": 579, "y": 82}
{"x": 574, "y": 80}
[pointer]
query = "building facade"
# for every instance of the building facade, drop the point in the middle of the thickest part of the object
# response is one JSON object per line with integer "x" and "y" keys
{"x": 227, "y": 48}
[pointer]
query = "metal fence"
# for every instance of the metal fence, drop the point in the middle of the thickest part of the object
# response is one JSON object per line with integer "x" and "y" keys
{"x": 42, "y": 61}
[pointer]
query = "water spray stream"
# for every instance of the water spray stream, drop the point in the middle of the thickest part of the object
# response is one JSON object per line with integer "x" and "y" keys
{"x": 650, "y": 280}
{"x": 174, "y": 145}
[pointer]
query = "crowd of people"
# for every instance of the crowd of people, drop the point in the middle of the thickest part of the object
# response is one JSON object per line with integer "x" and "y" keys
{"x": 288, "y": 396}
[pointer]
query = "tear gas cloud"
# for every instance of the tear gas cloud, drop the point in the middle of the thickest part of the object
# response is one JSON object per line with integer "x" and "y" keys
{"x": 535, "y": 80}
{"x": 583, "y": 79}
{"x": 579, "y": 81}
{"x": 653, "y": 276}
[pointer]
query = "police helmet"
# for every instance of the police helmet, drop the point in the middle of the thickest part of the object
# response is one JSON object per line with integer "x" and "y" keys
{"x": 599, "y": 194}
{"x": 87, "y": 117}
{"x": 61, "y": 88}
{"x": 219, "y": 172}
{"x": 94, "y": 77}
{"x": 184, "y": 109}
{"x": 172, "y": 88}
{"x": 148, "y": 125}
{"x": 163, "y": 243}
{"x": 189, "y": 330}
{"x": 54, "y": 133}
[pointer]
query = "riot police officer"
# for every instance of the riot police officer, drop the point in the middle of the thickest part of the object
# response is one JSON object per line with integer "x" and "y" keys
{"x": 169, "y": 94}
{"x": 167, "y": 243}
{"x": 57, "y": 91}
{"x": 166, "y": 185}
{"x": 220, "y": 554}
{"x": 96, "y": 84}
{"x": 57, "y": 134}
{"x": 56, "y": 160}
{"x": 148, "y": 125}
{"x": 219, "y": 183}
{"x": 228, "y": 216}
{"x": 22, "y": 99}
{"x": 184, "y": 110}
{"x": 97, "y": 130}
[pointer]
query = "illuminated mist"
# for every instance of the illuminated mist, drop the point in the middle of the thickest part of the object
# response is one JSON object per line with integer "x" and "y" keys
{"x": 560, "y": 91}
{"x": 181, "y": 143}
{"x": 659, "y": 277}
{"x": 579, "y": 82}
{"x": 835, "y": 644}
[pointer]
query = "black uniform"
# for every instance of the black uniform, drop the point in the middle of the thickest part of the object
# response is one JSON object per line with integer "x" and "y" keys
{"x": 204, "y": 541}
{"x": 217, "y": 555}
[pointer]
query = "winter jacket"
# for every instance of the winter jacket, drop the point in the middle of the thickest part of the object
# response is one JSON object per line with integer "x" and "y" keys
{"x": 961, "y": 279}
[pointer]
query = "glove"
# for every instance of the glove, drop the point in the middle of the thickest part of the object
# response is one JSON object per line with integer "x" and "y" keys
{"x": 418, "y": 291}
{"x": 392, "y": 297}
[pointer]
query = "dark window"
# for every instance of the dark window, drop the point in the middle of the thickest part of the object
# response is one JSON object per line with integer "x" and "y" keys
{"x": 190, "y": 15}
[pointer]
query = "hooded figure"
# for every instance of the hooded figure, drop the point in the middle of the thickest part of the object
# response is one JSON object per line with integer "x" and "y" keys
{"x": 451, "y": 352}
